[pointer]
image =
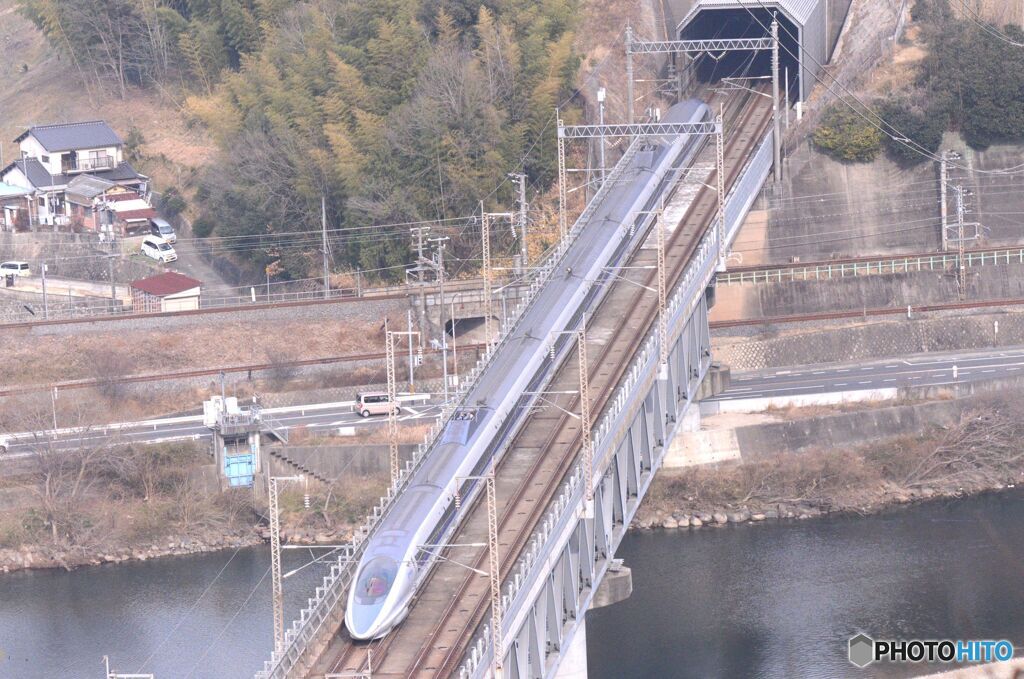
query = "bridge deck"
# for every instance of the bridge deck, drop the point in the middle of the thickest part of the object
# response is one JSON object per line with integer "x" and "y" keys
{"x": 454, "y": 601}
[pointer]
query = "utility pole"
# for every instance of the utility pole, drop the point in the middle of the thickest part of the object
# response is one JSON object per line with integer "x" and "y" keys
{"x": 960, "y": 260}
{"x": 600, "y": 120}
{"x": 659, "y": 225}
{"x": 588, "y": 449}
{"x": 498, "y": 660}
{"x": 720, "y": 184}
{"x": 629, "y": 74}
{"x": 439, "y": 268}
{"x": 485, "y": 240}
{"x": 46, "y": 306}
{"x": 775, "y": 99}
{"x": 323, "y": 226}
{"x": 562, "y": 188}
{"x": 393, "y": 399}
{"x": 494, "y": 567}
{"x": 275, "y": 560}
{"x": 113, "y": 288}
{"x": 408, "y": 327}
{"x": 943, "y": 207}
{"x": 524, "y": 249}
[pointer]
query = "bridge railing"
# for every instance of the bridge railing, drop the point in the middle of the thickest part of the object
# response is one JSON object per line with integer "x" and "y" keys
{"x": 534, "y": 562}
{"x": 303, "y": 631}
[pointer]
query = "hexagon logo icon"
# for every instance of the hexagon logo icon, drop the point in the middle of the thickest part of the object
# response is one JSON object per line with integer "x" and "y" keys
{"x": 862, "y": 650}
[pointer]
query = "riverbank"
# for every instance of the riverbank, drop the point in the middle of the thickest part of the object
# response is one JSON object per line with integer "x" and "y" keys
{"x": 979, "y": 453}
{"x": 122, "y": 503}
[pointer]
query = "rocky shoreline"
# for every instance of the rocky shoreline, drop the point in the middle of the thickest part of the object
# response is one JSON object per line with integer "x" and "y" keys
{"x": 40, "y": 557}
{"x": 751, "y": 513}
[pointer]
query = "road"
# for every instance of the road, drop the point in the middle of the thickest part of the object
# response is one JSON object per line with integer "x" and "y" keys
{"x": 916, "y": 371}
{"x": 318, "y": 417}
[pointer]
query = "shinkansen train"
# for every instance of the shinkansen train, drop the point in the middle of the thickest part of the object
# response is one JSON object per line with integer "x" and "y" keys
{"x": 394, "y": 562}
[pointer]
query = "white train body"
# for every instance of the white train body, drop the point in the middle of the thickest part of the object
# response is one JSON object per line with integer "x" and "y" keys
{"x": 392, "y": 565}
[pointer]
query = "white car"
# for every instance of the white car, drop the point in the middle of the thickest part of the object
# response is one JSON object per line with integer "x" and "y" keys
{"x": 5, "y": 443}
{"x": 16, "y": 268}
{"x": 158, "y": 249}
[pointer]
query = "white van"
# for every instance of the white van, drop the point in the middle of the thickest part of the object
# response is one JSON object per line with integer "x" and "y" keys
{"x": 163, "y": 229}
{"x": 374, "y": 403}
{"x": 158, "y": 249}
{"x": 16, "y": 268}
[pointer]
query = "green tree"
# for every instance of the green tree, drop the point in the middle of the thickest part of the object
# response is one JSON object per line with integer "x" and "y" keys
{"x": 923, "y": 127}
{"x": 847, "y": 136}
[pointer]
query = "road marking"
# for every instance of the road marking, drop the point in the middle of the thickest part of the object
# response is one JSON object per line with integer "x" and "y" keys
{"x": 868, "y": 382}
{"x": 838, "y": 384}
{"x": 892, "y": 380}
{"x": 992, "y": 370}
{"x": 841, "y": 370}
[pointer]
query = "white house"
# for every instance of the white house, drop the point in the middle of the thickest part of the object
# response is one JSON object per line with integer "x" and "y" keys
{"x": 51, "y": 156}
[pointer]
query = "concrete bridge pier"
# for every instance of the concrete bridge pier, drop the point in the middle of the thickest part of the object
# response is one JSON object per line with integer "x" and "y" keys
{"x": 616, "y": 586}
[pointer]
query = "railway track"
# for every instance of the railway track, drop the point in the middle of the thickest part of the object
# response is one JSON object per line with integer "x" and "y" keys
{"x": 451, "y": 288}
{"x": 453, "y": 602}
{"x": 864, "y": 313}
{"x": 213, "y": 372}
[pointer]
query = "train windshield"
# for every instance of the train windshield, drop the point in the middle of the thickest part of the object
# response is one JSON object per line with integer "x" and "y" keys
{"x": 376, "y": 579}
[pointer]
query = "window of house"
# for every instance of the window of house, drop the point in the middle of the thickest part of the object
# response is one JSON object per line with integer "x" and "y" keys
{"x": 45, "y": 159}
{"x": 42, "y": 201}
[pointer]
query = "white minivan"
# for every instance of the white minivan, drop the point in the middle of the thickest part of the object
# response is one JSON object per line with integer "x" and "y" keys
{"x": 14, "y": 269}
{"x": 159, "y": 249}
{"x": 374, "y": 403}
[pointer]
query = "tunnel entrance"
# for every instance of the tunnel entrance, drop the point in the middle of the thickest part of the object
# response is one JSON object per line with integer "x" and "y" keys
{"x": 711, "y": 24}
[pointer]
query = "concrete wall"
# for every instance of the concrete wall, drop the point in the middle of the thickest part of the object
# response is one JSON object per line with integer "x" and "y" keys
{"x": 760, "y": 300}
{"x": 894, "y": 337}
{"x": 768, "y": 440}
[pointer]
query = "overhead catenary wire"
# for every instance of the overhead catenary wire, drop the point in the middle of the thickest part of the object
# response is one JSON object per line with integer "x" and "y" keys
{"x": 878, "y": 122}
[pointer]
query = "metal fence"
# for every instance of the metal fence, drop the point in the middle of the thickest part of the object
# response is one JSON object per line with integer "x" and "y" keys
{"x": 894, "y": 265}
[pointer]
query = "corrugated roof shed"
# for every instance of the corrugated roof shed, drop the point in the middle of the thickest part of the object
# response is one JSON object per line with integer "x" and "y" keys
{"x": 169, "y": 283}
{"x": 798, "y": 10}
{"x": 90, "y": 134}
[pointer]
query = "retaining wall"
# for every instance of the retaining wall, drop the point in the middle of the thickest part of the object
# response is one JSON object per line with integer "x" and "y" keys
{"x": 894, "y": 337}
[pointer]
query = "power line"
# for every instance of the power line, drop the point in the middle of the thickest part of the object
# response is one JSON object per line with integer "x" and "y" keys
{"x": 880, "y": 123}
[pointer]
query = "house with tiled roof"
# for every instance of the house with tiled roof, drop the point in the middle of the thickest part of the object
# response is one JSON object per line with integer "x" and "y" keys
{"x": 170, "y": 291}
{"x": 53, "y": 156}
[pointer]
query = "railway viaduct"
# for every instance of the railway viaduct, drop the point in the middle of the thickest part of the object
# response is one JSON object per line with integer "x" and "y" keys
{"x": 569, "y": 480}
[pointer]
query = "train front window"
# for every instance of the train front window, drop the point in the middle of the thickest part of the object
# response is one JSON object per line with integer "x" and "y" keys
{"x": 376, "y": 580}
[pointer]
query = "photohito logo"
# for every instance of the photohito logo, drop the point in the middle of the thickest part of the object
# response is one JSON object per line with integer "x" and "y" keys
{"x": 864, "y": 650}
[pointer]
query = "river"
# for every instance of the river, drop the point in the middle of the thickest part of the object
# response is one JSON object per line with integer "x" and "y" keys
{"x": 764, "y": 601}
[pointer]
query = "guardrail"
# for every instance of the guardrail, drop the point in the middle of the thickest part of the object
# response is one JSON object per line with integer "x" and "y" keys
{"x": 892, "y": 265}
{"x": 312, "y": 618}
{"x": 696, "y": 277}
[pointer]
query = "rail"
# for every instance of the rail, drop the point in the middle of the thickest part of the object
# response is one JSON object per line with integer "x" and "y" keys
{"x": 312, "y": 618}
{"x": 533, "y": 564}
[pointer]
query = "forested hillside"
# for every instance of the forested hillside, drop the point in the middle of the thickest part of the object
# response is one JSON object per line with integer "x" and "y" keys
{"x": 394, "y": 111}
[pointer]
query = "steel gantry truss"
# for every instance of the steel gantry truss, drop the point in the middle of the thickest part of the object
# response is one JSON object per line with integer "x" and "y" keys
{"x": 565, "y": 132}
{"x": 634, "y": 47}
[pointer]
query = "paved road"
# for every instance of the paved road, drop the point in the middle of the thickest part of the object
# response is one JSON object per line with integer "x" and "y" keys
{"x": 916, "y": 371}
{"x": 318, "y": 417}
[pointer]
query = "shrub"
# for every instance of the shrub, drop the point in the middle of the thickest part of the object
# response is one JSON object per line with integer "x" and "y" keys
{"x": 923, "y": 126}
{"x": 847, "y": 136}
{"x": 172, "y": 203}
{"x": 203, "y": 226}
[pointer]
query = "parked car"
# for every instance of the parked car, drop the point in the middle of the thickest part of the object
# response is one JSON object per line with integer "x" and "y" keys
{"x": 374, "y": 403}
{"x": 163, "y": 229}
{"x": 159, "y": 249}
{"x": 15, "y": 268}
{"x": 5, "y": 444}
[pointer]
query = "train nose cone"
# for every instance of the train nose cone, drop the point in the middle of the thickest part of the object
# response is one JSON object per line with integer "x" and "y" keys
{"x": 363, "y": 621}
